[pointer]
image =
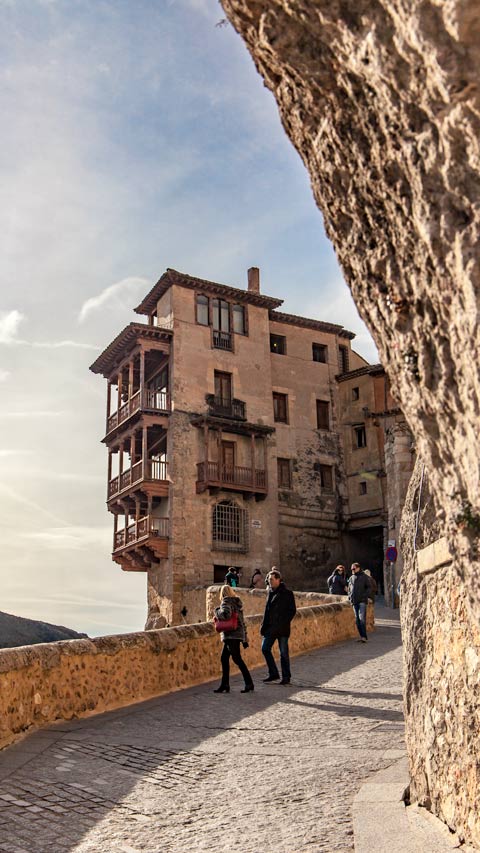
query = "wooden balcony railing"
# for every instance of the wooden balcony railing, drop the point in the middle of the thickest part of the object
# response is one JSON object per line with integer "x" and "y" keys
{"x": 215, "y": 474}
{"x": 156, "y": 470}
{"x": 222, "y": 340}
{"x": 221, "y": 408}
{"x": 158, "y": 401}
{"x": 141, "y": 529}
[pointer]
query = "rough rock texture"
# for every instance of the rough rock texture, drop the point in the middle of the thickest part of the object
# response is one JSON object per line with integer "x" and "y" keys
{"x": 58, "y": 681}
{"x": 442, "y": 666}
{"x": 17, "y": 631}
{"x": 381, "y": 100}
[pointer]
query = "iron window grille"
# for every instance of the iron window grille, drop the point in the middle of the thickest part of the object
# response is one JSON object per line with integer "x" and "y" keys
{"x": 229, "y": 527}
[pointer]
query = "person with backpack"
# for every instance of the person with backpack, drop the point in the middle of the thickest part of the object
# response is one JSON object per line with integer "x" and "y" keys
{"x": 230, "y": 623}
{"x": 359, "y": 591}
{"x": 232, "y": 578}
{"x": 337, "y": 582}
{"x": 257, "y": 581}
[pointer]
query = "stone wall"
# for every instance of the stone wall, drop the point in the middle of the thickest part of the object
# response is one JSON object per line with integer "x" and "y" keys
{"x": 60, "y": 681}
{"x": 253, "y": 600}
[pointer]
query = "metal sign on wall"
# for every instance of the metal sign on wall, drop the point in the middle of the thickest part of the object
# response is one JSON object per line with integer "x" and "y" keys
{"x": 391, "y": 554}
{"x": 256, "y": 522}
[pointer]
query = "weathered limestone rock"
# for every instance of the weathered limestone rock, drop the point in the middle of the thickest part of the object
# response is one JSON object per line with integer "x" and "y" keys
{"x": 442, "y": 668}
{"x": 381, "y": 100}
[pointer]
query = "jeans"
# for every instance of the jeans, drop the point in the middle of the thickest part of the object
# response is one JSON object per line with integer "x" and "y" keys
{"x": 231, "y": 649}
{"x": 267, "y": 644}
{"x": 360, "y": 611}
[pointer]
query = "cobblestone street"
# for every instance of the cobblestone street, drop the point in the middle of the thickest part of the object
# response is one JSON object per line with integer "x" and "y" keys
{"x": 273, "y": 771}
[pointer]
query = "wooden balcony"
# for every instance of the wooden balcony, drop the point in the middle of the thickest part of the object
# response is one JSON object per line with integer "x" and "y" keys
{"x": 147, "y": 531}
{"x": 156, "y": 472}
{"x": 153, "y": 401}
{"x": 232, "y": 477}
{"x": 221, "y": 408}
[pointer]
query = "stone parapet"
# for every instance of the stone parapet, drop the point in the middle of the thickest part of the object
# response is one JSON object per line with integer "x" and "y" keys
{"x": 253, "y": 600}
{"x": 76, "y": 678}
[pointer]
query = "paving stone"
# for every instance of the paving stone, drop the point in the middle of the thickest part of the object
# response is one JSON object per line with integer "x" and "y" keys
{"x": 285, "y": 763}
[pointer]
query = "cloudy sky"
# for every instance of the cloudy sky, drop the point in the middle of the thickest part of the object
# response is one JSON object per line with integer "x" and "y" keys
{"x": 135, "y": 137}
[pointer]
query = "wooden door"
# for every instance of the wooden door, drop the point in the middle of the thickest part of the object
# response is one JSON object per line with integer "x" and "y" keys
{"x": 228, "y": 461}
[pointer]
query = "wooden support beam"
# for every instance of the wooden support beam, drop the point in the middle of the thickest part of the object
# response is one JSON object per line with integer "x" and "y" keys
{"x": 130, "y": 379}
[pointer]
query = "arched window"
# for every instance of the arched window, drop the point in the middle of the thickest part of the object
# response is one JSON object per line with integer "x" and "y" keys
{"x": 229, "y": 527}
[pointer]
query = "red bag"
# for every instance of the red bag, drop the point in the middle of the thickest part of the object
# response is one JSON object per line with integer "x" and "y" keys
{"x": 227, "y": 624}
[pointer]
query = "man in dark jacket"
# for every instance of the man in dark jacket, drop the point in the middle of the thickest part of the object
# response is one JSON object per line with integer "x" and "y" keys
{"x": 359, "y": 590}
{"x": 279, "y": 612}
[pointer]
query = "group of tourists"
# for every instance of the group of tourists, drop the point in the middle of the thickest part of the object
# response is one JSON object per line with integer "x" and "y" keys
{"x": 280, "y": 609}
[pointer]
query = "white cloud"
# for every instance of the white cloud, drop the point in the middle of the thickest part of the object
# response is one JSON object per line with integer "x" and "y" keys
{"x": 9, "y": 325}
{"x": 72, "y": 538}
{"x": 4, "y": 374}
{"x": 5, "y": 452}
{"x": 60, "y": 344}
{"x": 26, "y": 413}
{"x": 121, "y": 293}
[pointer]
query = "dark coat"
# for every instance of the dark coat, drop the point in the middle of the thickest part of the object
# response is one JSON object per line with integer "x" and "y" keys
{"x": 224, "y": 611}
{"x": 359, "y": 588}
{"x": 337, "y": 584}
{"x": 231, "y": 578}
{"x": 279, "y": 612}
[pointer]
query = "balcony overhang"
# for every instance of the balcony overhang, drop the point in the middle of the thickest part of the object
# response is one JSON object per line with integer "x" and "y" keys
{"x": 232, "y": 425}
{"x": 127, "y": 340}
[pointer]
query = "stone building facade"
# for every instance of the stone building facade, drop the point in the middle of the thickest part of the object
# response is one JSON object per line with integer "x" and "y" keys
{"x": 240, "y": 435}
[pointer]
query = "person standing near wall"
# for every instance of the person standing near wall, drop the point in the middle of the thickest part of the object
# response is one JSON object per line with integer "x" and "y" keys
{"x": 232, "y": 578}
{"x": 359, "y": 590}
{"x": 279, "y": 612}
{"x": 337, "y": 582}
{"x": 230, "y": 604}
{"x": 257, "y": 581}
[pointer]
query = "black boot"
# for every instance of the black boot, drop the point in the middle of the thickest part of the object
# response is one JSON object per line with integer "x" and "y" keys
{"x": 224, "y": 688}
{"x": 249, "y": 688}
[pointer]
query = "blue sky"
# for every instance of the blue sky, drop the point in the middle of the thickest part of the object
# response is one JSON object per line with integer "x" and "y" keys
{"x": 135, "y": 137}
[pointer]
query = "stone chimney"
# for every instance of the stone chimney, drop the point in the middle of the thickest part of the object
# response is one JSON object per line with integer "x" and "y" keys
{"x": 254, "y": 280}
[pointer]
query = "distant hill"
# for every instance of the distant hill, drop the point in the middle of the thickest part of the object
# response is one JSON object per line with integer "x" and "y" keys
{"x": 16, "y": 631}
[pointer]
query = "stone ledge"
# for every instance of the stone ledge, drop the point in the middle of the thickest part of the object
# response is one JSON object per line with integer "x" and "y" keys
{"x": 434, "y": 556}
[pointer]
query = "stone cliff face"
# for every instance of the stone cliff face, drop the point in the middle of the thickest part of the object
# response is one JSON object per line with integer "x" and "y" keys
{"x": 381, "y": 100}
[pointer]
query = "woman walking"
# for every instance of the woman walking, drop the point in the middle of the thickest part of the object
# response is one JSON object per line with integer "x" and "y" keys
{"x": 231, "y": 606}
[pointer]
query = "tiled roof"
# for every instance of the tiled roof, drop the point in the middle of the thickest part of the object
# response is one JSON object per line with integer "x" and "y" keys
{"x": 126, "y": 340}
{"x": 372, "y": 369}
{"x": 307, "y": 323}
{"x": 148, "y": 305}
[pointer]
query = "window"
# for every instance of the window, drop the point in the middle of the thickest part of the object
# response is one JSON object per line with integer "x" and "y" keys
{"x": 362, "y": 488}
{"x": 359, "y": 436}
{"x": 326, "y": 478}
{"x": 343, "y": 359}
{"x": 355, "y": 393}
{"x": 229, "y": 527}
{"x": 278, "y": 344}
{"x": 280, "y": 408}
{"x": 319, "y": 353}
{"x": 202, "y": 309}
{"x": 323, "y": 414}
{"x": 284, "y": 474}
{"x": 221, "y": 315}
{"x": 239, "y": 320}
{"x": 223, "y": 388}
